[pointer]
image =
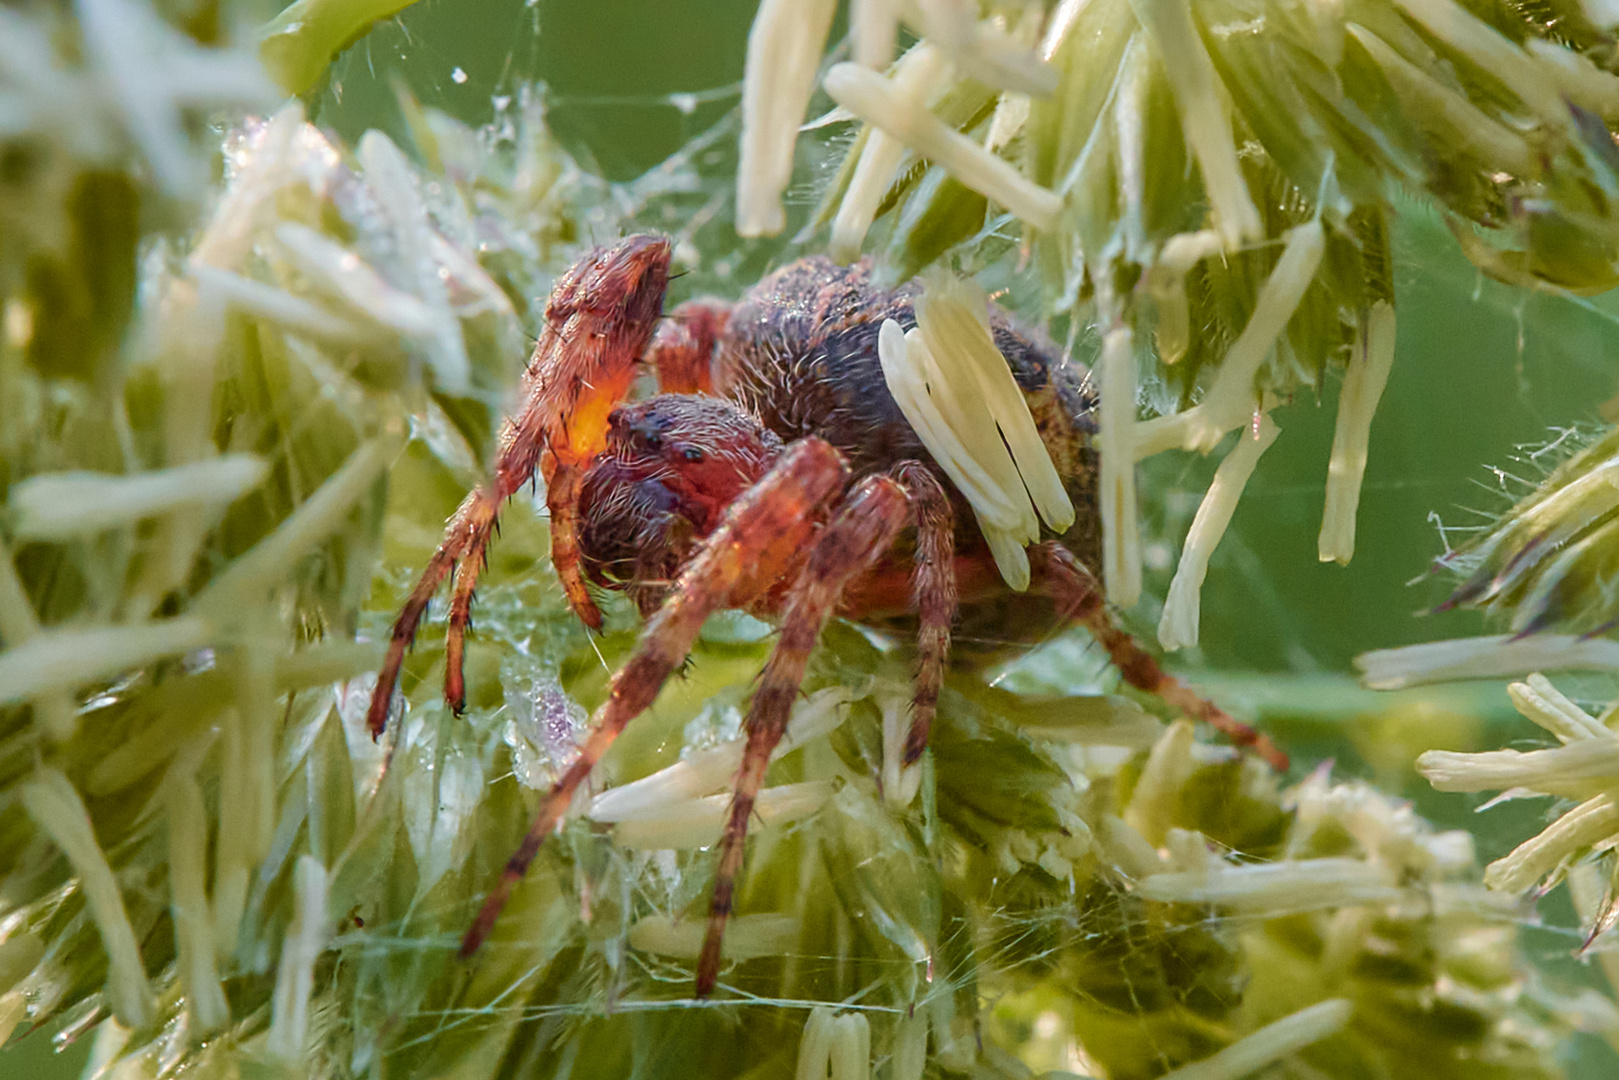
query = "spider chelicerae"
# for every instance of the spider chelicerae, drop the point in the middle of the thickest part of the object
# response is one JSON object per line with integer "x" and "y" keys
{"x": 774, "y": 472}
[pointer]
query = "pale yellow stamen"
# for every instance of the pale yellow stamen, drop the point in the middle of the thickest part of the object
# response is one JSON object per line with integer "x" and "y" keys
{"x": 1253, "y": 1052}
{"x": 834, "y": 1047}
{"x": 1121, "y": 552}
{"x": 1166, "y": 283}
{"x": 698, "y": 823}
{"x": 1581, "y": 81}
{"x": 710, "y": 770}
{"x": 1232, "y": 400}
{"x": 1204, "y": 120}
{"x": 1292, "y": 885}
{"x": 957, "y": 391}
{"x": 982, "y": 48}
{"x": 1592, "y": 822}
{"x": 746, "y": 936}
{"x": 1178, "y": 628}
{"x": 784, "y": 50}
{"x": 1471, "y": 129}
{"x": 918, "y": 76}
{"x": 59, "y": 506}
{"x": 56, "y": 808}
{"x": 1363, "y": 387}
{"x": 1487, "y": 47}
{"x": 288, "y": 1037}
{"x": 1494, "y": 657}
{"x": 874, "y": 27}
{"x": 193, "y": 923}
{"x": 875, "y": 100}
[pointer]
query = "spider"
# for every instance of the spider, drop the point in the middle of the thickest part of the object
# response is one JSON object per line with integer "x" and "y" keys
{"x": 772, "y": 473}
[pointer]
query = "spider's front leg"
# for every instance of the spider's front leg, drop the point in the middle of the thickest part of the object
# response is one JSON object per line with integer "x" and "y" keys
{"x": 864, "y": 528}
{"x": 598, "y": 321}
{"x": 759, "y": 539}
{"x": 1078, "y": 594}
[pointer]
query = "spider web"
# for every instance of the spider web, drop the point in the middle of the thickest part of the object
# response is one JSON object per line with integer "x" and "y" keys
{"x": 652, "y": 120}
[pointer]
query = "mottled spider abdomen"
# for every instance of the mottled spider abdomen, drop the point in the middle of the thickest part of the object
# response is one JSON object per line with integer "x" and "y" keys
{"x": 800, "y": 352}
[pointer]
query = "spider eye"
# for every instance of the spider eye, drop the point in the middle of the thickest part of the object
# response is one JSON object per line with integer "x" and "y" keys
{"x": 652, "y": 439}
{"x": 693, "y": 454}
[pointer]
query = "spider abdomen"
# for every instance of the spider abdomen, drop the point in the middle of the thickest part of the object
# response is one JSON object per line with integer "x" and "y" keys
{"x": 800, "y": 353}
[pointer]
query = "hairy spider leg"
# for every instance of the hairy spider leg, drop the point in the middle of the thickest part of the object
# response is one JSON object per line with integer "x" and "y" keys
{"x": 760, "y": 538}
{"x": 682, "y": 351}
{"x": 1061, "y": 576}
{"x": 933, "y": 594}
{"x": 598, "y": 321}
{"x": 465, "y": 531}
{"x": 864, "y": 527}
{"x": 460, "y": 621}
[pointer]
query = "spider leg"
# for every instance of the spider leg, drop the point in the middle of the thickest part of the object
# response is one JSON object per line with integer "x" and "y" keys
{"x": 933, "y": 593}
{"x": 1064, "y": 578}
{"x": 682, "y": 350}
{"x": 757, "y": 541}
{"x": 864, "y": 528}
{"x": 455, "y": 633}
{"x": 464, "y": 540}
{"x": 598, "y": 321}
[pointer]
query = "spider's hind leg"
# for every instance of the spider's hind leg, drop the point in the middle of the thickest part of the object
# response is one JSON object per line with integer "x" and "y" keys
{"x": 864, "y": 528}
{"x": 1061, "y": 576}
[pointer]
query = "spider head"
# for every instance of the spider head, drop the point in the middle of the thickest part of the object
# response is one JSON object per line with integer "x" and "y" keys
{"x": 673, "y": 463}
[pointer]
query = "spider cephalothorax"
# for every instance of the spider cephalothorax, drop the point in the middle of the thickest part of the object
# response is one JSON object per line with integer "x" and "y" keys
{"x": 672, "y": 465}
{"x": 778, "y": 474}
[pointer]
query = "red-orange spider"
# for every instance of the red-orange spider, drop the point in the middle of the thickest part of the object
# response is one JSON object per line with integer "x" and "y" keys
{"x": 776, "y": 474}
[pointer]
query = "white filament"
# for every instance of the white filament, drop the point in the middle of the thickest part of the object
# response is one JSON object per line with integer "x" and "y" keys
{"x": 1363, "y": 387}
{"x": 878, "y": 102}
{"x": 1178, "y": 628}
{"x": 957, "y": 391}
{"x": 784, "y": 50}
{"x": 918, "y": 76}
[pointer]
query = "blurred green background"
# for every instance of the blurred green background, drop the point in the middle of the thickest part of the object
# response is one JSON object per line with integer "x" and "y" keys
{"x": 1484, "y": 375}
